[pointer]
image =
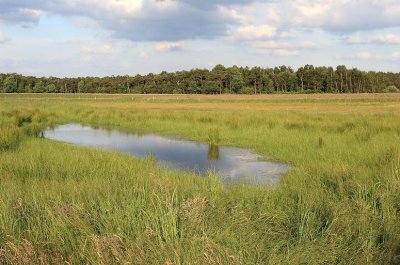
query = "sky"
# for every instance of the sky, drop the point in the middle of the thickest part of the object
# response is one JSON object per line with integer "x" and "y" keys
{"x": 69, "y": 38}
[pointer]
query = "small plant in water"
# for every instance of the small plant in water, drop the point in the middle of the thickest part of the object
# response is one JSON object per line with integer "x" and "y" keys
{"x": 213, "y": 140}
{"x": 213, "y": 137}
{"x": 213, "y": 152}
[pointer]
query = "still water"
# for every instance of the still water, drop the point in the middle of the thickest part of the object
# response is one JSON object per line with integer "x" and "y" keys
{"x": 232, "y": 164}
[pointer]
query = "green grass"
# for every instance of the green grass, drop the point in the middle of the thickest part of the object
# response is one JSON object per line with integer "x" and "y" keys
{"x": 340, "y": 204}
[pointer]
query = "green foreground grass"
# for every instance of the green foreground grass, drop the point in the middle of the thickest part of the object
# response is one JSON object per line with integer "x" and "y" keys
{"x": 340, "y": 204}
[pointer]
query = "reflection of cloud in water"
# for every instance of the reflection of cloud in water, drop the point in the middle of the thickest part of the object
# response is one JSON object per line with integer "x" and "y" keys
{"x": 233, "y": 164}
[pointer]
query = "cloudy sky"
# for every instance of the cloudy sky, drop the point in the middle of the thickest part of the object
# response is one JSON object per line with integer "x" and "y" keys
{"x": 112, "y": 37}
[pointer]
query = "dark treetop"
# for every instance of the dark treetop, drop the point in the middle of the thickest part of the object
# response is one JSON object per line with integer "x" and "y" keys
{"x": 241, "y": 80}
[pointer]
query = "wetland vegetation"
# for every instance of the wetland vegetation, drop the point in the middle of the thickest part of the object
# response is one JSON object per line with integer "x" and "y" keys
{"x": 339, "y": 204}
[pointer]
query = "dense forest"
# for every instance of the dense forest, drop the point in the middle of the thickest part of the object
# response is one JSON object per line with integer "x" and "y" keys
{"x": 241, "y": 80}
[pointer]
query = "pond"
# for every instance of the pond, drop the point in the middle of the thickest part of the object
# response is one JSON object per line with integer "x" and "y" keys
{"x": 230, "y": 163}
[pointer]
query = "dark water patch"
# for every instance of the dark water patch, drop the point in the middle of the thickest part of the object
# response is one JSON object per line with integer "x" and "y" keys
{"x": 232, "y": 164}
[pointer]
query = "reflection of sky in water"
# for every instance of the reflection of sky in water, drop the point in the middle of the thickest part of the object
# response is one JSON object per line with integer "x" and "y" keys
{"x": 233, "y": 164}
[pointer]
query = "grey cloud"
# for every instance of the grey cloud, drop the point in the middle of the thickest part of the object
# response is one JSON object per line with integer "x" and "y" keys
{"x": 186, "y": 22}
{"x": 347, "y": 16}
{"x": 365, "y": 16}
{"x": 189, "y": 20}
{"x": 194, "y": 19}
{"x": 17, "y": 11}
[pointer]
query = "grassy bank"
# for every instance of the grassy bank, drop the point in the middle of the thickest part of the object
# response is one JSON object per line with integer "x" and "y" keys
{"x": 339, "y": 205}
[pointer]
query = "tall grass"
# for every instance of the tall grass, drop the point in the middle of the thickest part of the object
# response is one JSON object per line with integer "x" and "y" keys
{"x": 339, "y": 204}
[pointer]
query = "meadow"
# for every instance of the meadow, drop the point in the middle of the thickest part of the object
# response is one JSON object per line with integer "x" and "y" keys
{"x": 340, "y": 203}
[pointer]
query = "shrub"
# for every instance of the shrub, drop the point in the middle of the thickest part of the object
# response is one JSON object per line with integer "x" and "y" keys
{"x": 391, "y": 89}
{"x": 247, "y": 90}
{"x": 177, "y": 91}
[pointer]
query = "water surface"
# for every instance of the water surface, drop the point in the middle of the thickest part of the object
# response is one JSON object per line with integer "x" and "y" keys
{"x": 232, "y": 164}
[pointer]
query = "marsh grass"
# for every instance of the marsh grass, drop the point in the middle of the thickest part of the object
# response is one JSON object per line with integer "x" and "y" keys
{"x": 9, "y": 138}
{"x": 16, "y": 124}
{"x": 338, "y": 205}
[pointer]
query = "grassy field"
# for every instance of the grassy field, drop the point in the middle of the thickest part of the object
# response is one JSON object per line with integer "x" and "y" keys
{"x": 340, "y": 204}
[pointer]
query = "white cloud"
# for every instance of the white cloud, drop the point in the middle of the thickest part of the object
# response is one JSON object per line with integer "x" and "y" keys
{"x": 253, "y": 32}
{"x": 308, "y": 45}
{"x": 3, "y": 38}
{"x": 103, "y": 49}
{"x": 370, "y": 56}
{"x": 285, "y": 52}
{"x": 288, "y": 34}
{"x": 143, "y": 55}
{"x": 170, "y": 46}
{"x": 311, "y": 9}
{"x": 277, "y": 48}
{"x": 345, "y": 15}
{"x": 396, "y": 56}
{"x": 119, "y": 6}
{"x": 126, "y": 6}
{"x": 363, "y": 55}
{"x": 234, "y": 14}
{"x": 285, "y": 46}
{"x": 272, "y": 45}
{"x": 380, "y": 38}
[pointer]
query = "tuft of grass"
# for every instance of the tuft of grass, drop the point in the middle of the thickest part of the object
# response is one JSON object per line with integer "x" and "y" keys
{"x": 9, "y": 138}
{"x": 320, "y": 142}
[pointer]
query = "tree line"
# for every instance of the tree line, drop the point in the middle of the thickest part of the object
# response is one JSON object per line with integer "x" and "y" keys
{"x": 219, "y": 80}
